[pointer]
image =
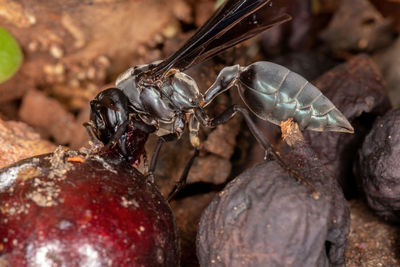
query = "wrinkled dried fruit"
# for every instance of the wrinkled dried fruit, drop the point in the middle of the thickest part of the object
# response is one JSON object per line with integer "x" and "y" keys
{"x": 88, "y": 212}
{"x": 264, "y": 217}
{"x": 379, "y": 168}
{"x": 264, "y": 220}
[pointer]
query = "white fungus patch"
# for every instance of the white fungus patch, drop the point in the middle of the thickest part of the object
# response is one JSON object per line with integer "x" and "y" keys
{"x": 8, "y": 177}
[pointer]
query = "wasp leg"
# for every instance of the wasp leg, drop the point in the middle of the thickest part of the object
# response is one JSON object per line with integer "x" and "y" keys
{"x": 156, "y": 153}
{"x": 195, "y": 141}
{"x": 143, "y": 126}
{"x": 228, "y": 114}
{"x": 114, "y": 140}
{"x": 90, "y": 130}
{"x": 194, "y": 127}
{"x": 182, "y": 180}
{"x": 121, "y": 130}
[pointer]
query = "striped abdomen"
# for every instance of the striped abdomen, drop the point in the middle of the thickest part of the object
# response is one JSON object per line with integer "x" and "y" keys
{"x": 275, "y": 93}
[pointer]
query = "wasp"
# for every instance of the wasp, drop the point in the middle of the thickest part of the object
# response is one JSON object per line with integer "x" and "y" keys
{"x": 160, "y": 98}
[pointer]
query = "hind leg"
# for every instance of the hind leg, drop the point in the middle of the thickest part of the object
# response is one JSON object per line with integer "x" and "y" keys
{"x": 228, "y": 114}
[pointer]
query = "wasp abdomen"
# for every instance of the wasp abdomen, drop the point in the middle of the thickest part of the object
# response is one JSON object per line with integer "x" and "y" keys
{"x": 275, "y": 93}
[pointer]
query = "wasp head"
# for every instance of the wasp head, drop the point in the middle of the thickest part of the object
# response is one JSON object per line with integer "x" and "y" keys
{"x": 109, "y": 110}
{"x": 109, "y": 114}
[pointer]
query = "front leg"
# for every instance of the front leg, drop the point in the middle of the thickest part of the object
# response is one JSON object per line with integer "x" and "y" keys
{"x": 153, "y": 162}
{"x": 117, "y": 135}
{"x": 156, "y": 153}
{"x": 91, "y": 131}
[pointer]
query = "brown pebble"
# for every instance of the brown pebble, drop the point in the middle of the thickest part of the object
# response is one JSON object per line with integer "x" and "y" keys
{"x": 48, "y": 116}
{"x": 357, "y": 26}
{"x": 19, "y": 141}
{"x": 222, "y": 140}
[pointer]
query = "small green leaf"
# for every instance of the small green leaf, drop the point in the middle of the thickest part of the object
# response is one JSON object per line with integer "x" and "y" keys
{"x": 219, "y": 3}
{"x": 10, "y": 55}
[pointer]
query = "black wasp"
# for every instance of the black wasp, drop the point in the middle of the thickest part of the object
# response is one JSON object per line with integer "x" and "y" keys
{"x": 159, "y": 98}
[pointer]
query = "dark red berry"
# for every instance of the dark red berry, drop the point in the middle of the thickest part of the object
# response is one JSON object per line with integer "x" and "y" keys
{"x": 67, "y": 209}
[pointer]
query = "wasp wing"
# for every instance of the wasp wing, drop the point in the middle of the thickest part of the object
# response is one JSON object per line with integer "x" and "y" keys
{"x": 232, "y": 23}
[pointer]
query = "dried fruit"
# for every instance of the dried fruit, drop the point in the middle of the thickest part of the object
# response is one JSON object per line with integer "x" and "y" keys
{"x": 379, "y": 168}
{"x": 264, "y": 220}
{"x": 95, "y": 211}
{"x": 264, "y": 217}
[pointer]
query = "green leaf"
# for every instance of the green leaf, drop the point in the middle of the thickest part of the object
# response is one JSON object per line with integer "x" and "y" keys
{"x": 219, "y": 3}
{"x": 10, "y": 55}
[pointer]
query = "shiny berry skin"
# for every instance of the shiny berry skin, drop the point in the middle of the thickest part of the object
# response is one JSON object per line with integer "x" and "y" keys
{"x": 67, "y": 209}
